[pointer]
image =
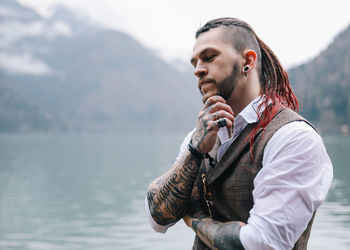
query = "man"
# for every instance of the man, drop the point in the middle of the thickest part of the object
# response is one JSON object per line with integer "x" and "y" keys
{"x": 253, "y": 172}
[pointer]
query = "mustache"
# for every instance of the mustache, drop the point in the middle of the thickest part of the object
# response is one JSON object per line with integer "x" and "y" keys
{"x": 205, "y": 80}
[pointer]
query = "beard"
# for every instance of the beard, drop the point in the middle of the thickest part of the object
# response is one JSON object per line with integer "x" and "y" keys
{"x": 225, "y": 87}
{"x": 228, "y": 84}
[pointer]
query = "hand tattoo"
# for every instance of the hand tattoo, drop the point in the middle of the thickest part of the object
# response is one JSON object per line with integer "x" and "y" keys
{"x": 217, "y": 235}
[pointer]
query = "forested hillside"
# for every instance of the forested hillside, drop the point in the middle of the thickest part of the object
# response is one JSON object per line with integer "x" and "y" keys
{"x": 65, "y": 74}
{"x": 323, "y": 85}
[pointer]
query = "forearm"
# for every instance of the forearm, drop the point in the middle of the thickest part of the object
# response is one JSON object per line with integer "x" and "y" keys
{"x": 169, "y": 195}
{"x": 217, "y": 235}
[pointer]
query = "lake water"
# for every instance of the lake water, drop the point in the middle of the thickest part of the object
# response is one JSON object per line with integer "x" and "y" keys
{"x": 87, "y": 192}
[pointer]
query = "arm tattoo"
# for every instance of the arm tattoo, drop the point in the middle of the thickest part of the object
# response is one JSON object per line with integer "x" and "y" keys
{"x": 218, "y": 235}
{"x": 168, "y": 196}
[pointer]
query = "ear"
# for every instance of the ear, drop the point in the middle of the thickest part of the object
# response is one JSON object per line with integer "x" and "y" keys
{"x": 250, "y": 58}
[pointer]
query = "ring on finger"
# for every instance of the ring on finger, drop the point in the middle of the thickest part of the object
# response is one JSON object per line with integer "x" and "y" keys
{"x": 221, "y": 122}
{"x": 215, "y": 116}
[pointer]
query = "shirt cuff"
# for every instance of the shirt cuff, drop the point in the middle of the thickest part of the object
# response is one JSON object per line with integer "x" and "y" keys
{"x": 254, "y": 235}
{"x": 156, "y": 227}
{"x": 251, "y": 239}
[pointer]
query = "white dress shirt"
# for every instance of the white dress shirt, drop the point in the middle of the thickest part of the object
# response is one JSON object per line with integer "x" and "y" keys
{"x": 293, "y": 182}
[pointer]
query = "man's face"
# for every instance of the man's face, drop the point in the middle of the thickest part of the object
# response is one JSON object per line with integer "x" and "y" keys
{"x": 217, "y": 64}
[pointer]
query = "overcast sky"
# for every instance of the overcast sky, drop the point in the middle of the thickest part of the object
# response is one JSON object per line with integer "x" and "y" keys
{"x": 296, "y": 30}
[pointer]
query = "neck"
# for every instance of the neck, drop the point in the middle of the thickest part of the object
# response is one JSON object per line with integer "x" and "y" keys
{"x": 245, "y": 92}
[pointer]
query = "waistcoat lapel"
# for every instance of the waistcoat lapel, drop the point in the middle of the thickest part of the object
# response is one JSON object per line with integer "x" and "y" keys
{"x": 234, "y": 151}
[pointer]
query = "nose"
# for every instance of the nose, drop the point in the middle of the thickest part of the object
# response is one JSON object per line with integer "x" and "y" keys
{"x": 200, "y": 70}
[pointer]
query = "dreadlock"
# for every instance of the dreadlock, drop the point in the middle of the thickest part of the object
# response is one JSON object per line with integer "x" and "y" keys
{"x": 274, "y": 82}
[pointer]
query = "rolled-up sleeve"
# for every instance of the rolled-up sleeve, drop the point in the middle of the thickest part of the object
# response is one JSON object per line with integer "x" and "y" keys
{"x": 293, "y": 182}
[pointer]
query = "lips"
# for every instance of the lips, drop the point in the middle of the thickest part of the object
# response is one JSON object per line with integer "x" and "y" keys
{"x": 208, "y": 88}
{"x": 204, "y": 81}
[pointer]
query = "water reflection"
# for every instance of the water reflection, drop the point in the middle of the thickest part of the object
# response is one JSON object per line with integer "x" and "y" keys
{"x": 87, "y": 192}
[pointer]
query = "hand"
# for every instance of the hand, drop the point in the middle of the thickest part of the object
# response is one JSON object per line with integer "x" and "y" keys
{"x": 194, "y": 205}
{"x": 204, "y": 137}
{"x": 188, "y": 219}
{"x": 194, "y": 209}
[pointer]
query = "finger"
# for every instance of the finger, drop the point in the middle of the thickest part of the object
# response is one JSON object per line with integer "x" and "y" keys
{"x": 227, "y": 124}
{"x": 219, "y": 106}
{"x": 214, "y": 116}
{"x": 221, "y": 122}
{"x": 212, "y": 100}
{"x": 187, "y": 219}
{"x": 212, "y": 126}
{"x": 222, "y": 114}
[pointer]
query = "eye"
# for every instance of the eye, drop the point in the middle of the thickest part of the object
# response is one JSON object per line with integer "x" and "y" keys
{"x": 209, "y": 58}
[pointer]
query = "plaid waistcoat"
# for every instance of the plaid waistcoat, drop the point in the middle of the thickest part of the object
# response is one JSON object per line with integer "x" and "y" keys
{"x": 231, "y": 180}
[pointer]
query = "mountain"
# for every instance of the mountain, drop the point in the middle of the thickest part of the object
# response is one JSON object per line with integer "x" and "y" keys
{"x": 323, "y": 86}
{"x": 66, "y": 74}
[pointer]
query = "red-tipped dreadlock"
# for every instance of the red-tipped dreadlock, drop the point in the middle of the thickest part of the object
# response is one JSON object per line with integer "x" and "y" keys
{"x": 274, "y": 82}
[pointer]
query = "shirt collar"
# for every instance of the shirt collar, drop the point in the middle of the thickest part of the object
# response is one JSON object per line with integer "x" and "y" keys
{"x": 246, "y": 116}
{"x": 249, "y": 113}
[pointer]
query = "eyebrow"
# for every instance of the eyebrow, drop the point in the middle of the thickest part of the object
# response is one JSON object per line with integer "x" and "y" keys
{"x": 202, "y": 53}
